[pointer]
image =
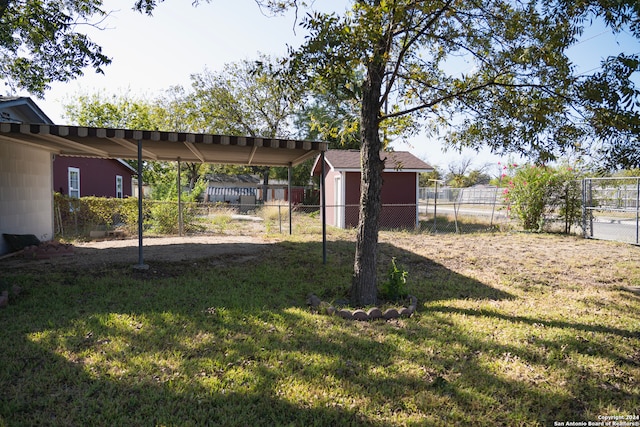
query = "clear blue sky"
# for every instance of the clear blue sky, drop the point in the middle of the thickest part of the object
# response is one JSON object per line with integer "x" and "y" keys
{"x": 150, "y": 54}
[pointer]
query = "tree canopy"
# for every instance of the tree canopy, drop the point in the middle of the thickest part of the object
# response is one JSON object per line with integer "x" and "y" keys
{"x": 40, "y": 42}
{"x": 610, "y": 103}
{"x": 244, "y": 98}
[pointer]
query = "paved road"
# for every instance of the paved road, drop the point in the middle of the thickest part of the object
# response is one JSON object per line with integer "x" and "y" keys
{"x": 484, "y": 211}
{"x": 615, "y": 229}
{"x": 605, "y": 228}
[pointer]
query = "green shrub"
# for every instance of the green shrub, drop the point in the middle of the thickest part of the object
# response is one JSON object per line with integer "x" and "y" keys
{"x": 534, "y": 193}
{"x": 78, "y": 216}
{"x": 164, "y": 217}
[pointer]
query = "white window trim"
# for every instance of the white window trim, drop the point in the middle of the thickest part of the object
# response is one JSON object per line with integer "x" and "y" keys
{"x": 69, "y": 188}
{"x": 119, "y": 187}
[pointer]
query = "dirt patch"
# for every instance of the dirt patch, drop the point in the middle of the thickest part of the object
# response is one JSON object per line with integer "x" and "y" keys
{"x": 221, "y": 248}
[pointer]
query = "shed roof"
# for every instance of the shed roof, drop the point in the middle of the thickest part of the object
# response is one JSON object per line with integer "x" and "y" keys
{"x": 395, "y": 161}
{"x": 161, "y": 146}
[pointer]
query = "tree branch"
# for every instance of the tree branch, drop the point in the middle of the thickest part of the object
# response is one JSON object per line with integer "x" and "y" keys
{"x": 462, "y": 93}
{"x": 408, "y": 43}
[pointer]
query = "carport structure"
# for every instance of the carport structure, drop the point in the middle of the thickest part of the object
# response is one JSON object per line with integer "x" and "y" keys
{"x": 152, "y": 145}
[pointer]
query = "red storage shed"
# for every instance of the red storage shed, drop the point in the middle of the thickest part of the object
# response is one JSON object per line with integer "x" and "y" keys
{"x": 399, "y": 189}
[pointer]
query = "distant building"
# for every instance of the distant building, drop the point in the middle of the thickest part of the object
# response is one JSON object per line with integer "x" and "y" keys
{"x": 230, "y": 188}
{"x": 246, "y": 189}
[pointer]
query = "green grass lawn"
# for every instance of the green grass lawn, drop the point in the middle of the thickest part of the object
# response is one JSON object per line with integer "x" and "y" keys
{"x": 511, "y": 329}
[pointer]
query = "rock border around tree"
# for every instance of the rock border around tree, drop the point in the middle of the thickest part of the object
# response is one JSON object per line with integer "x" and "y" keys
{"x": 319, "y": 306}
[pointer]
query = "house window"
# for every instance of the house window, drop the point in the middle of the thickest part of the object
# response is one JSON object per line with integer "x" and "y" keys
{"x": 74, "y": 182}
{"x": 119, "y": 192}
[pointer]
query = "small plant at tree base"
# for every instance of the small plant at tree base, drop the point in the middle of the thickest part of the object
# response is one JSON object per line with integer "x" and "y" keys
{"x": 395, "y": 288}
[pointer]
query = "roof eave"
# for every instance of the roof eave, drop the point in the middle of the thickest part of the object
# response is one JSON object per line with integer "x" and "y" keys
{"x": 162, "y": 146}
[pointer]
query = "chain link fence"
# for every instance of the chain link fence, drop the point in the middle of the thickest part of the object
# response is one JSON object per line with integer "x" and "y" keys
{"x": 102, "y": 218}
{"x": 611, "y": 209}
{"x": 462, "y": 210}
{"x": 453, "y": 211}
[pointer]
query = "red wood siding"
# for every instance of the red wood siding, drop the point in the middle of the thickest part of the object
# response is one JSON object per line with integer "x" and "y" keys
{"x": 97, "y": 176}
{"x": 297, "y": 195}
{"x": 398, "y": 188}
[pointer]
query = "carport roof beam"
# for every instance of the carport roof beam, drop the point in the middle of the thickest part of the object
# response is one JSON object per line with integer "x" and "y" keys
{"x": 159, "y": 145}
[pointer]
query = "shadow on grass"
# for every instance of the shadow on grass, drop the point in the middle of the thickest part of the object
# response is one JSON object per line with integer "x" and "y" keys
{"x": 48, "y": 389}
{"x": 214, "y": 341}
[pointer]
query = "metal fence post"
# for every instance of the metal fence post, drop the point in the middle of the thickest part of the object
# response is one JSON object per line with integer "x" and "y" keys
{"x": 180, "y": 219}
{"x": 590, "y": 211}
{"x": 435, "y": 209}
{"x": 435, "y": 205}
{"x": 458, "y": 199}
{"x": 493, "y": 205}
{"x": 584, "y": 208}
{"x": 289, "y": 178}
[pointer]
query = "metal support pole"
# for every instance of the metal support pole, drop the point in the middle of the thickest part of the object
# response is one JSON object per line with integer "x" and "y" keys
{"x": 435, "y": 205}
{"x": 417, "y": 224}
{"x": 180, "y": 221}
{"x": 141, "y": 265}
{"x": 590, "y": 201}
{"x": 289, "y": 176}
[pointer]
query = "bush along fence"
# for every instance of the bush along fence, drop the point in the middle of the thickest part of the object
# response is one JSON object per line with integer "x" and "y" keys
{"x": 80, "y": 217}
{"x": 95, "y": 217}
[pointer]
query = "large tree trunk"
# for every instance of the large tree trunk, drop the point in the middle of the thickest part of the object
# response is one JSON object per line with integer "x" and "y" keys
{"x": 364, "y": 286}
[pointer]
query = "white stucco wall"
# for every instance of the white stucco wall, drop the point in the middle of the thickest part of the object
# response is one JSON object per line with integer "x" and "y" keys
{"x": 26, "y": 196}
